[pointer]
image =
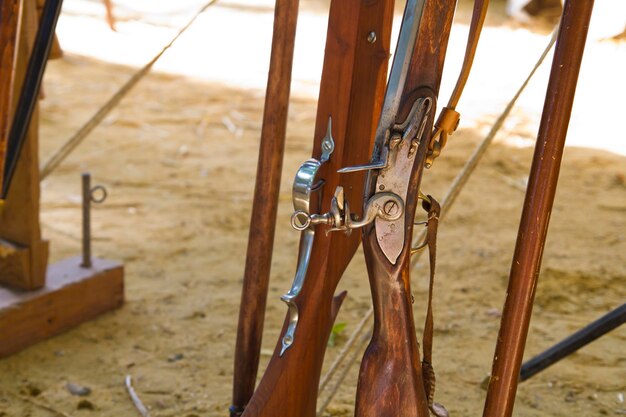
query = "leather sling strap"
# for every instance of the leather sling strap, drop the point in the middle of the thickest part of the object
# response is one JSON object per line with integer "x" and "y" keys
{"x": 448, "y": 119}
{"x": 434, "y": 210}
{"x": 446, "y": 124}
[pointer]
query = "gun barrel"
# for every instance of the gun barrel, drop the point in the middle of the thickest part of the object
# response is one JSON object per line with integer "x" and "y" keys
{"x": 571, "y": 344}
{"x": 265, "y": 207}
{"x": 30, "y": 90}
{"x": 538, "y": 203}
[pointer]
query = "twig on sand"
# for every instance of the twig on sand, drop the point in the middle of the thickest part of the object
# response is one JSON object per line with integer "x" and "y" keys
{"x": 135, "y": 398}
{"x": 40, "y": 405}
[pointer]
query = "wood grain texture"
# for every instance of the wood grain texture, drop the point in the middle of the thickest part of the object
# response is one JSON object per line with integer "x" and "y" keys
{"x": 263, "y": 221}
{"x": 390, "y": 380}
{"x": 9, "y": 18}
{"x": 533, "y": 229}
{"x": 352, "y": 87}
{"x": 71, "y": 296}
{"x": 19, "y": 218}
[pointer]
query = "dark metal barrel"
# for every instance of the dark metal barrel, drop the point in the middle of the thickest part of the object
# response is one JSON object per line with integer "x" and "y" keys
{"x": 571, "y": 344}
{"x": 30, "y": 89}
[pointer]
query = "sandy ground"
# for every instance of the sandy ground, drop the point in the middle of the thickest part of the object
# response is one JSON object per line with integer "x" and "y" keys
{"x": 180, "y": 182}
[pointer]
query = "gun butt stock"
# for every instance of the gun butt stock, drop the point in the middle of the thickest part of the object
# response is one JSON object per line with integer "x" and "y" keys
{"x": 390, "y": 380}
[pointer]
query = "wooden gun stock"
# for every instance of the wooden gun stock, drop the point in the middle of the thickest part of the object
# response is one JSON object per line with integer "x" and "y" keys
{"x": 352, "y": 86}
{"x": 390, "y": 380}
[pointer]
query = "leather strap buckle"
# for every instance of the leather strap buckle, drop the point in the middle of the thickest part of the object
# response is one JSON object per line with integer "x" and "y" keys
{"x": 446, "y": 125}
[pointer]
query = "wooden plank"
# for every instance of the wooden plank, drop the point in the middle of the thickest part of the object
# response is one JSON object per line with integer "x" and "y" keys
{"x": 72, "y": 295}
{"x": 19, "y": 218}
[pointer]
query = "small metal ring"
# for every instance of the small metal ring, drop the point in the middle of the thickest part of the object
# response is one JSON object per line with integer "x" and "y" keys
{"x": 303, "y": 218}
{"x": 93, "y": 192}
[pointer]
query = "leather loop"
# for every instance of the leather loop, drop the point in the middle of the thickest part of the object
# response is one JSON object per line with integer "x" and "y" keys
{"x": 428, "y": 372}
{"x": 478, "y": 18}
{"x": 449, "y": 118}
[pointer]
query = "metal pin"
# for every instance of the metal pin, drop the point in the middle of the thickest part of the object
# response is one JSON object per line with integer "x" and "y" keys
{"x": 371, "y": 37}
{"x": 89, "y": 196}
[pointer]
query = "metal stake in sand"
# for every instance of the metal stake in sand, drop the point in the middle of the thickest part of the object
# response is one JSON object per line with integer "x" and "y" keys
{"x": 95, "y": 195}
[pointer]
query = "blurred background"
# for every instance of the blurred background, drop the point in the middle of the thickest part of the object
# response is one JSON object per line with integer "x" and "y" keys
{"x": 178, "y": 156}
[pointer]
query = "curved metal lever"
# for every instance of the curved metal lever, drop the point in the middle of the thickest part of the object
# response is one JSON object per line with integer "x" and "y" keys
{"x": 298, "y": 281}
{"x": 305, "y": 185}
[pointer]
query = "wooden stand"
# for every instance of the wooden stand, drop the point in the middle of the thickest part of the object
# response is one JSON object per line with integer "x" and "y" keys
{"x": 43, "y": 301}
{"x": 72, "y": 295}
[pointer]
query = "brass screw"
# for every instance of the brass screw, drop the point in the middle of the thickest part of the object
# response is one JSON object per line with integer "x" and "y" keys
{"x": 371, "y": 37}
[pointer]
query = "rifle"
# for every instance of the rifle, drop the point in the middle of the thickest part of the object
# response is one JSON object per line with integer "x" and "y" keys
{"x": 572, "y": 343}
{"x": 403, "y": 146}
{"x": 262, "y": 225}
{"x": 542, "y": 182}
{"x": 352, "y": 86}
{"x": 392, "y": 381}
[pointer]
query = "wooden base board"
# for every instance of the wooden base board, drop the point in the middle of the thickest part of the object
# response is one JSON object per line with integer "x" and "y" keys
{"x": 72, "y": 295}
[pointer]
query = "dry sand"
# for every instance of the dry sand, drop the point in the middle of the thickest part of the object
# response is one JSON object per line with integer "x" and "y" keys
{"x": 180, "y": 191}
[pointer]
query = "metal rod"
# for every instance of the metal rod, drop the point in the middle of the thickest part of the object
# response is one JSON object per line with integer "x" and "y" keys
{"x": 86, "y": 183}
{"x": 537, "y": 208}
{"x": 571, "y": 344}
{"x": 30, "y": 89}
{"x": 264, "y": 207}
